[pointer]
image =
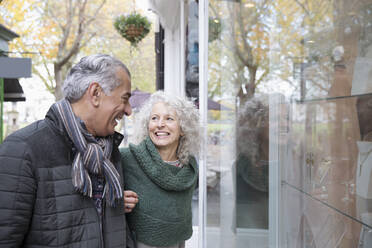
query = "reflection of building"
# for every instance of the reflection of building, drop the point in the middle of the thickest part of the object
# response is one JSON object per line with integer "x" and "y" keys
{"x": 10, "y": 70}
{"x": 192, "y": 59}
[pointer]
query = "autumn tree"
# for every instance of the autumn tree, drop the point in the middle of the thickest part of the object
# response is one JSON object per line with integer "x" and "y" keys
{"x": 62, "y": 29}
{"x": 59, "y": 32}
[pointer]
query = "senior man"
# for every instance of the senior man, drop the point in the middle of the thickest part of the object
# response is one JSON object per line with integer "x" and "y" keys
{"x": 60, "y": 178}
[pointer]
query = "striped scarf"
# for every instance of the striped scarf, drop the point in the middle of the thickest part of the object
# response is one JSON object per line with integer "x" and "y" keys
{"x": 92, "y": 157}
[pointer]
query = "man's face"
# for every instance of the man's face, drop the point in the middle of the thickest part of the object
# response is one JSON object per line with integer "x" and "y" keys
{"x": 113, "y": 107}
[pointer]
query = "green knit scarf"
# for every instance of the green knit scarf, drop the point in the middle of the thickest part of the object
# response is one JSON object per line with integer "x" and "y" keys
{"x": 164, "y": 175}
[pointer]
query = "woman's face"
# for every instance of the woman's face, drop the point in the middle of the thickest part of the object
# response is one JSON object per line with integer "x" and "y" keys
{"x": 164, "y": 127}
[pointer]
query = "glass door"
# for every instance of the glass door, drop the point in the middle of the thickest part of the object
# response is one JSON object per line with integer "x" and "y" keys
{"x": 238, "y": 107}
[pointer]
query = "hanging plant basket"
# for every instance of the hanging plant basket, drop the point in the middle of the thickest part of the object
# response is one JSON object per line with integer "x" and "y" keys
{"x": 214, "y": 28}
{"x": 133, "y": 27}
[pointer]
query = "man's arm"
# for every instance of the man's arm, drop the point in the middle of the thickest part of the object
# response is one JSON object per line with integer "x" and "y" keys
{"x": 17, "y": 192}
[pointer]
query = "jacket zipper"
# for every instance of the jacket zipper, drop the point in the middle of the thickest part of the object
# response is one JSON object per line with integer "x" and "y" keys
{"x": 100, "y": 216}
{"x": 100, "y": 220}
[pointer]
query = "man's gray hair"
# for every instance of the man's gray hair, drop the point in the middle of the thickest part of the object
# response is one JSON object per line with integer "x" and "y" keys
{"x": 100, "y": 68}
{"x": 188, "y": 116}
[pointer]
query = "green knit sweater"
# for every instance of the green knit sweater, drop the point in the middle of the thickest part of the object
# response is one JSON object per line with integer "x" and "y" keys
{"x": 162, "y": 216}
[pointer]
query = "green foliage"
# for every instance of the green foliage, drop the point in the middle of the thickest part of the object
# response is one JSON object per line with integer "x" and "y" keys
{"x": 133, "y": 27}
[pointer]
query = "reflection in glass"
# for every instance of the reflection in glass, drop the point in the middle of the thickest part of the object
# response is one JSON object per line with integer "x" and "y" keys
{"x": 347, "y": 198}
{"x": 317, "y": 55}
{"x": 252, "y": 163}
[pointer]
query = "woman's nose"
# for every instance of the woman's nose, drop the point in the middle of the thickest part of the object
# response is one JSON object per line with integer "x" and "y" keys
{"x": 160, "y": 123}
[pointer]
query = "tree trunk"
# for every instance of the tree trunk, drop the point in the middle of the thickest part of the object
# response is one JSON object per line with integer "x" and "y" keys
{"x": 59, "y": 81}
{"x": 252, "y": 80}
{"x": 249, "y": 88}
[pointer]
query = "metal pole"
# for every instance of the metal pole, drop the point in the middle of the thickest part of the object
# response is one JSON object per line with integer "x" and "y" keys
{"x": 203, "y": 109}
{"x": 182, "y": 89}
{"x": 1, "y": 108}
{"x": 274, "y": 171}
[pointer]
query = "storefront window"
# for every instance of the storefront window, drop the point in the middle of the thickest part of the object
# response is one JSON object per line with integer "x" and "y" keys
{"x": 293, "y": 84}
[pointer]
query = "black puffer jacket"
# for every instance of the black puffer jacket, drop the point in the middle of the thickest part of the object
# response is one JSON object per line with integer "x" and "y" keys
{"x": 38, "y": 204}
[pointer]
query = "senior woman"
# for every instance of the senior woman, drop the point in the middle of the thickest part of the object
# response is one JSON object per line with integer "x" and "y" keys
{"x": 161, "y": 168}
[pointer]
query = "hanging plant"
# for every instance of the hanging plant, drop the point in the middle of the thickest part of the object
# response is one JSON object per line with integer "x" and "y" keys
{"x": 133, "y": 27}
{"x": 214, "y": 28}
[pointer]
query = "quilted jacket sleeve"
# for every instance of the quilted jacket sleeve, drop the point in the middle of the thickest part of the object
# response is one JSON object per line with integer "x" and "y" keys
{"x": 17, "y": 192}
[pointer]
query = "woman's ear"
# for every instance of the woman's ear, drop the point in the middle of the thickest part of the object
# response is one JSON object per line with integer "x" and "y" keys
{"x": 95, "y": 93}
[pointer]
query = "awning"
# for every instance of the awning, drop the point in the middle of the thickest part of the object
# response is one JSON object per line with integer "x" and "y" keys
{"x": 11, "y": 69}
{"x": 13, "y": 91}
{"x": 15, "y": 67}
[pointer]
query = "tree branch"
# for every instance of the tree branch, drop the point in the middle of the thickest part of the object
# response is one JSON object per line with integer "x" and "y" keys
{"x": 49, "y": 87}
{"x": 70, "y": 11}
{"x": 79, "y": 35}
{"x": 52, "y": 15}
{"x": 87, "y": 40}
{"x": 94, "y": 17}
{"x": 303, "y": 7}
{"x": 262, "y": 77}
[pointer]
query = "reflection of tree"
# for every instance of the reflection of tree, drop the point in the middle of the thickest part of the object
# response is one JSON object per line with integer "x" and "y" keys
{"x": 246, "y": 43}
{"x": 261, "y": 41}
{"x": 250, "y": 42}
{"x": 312, "y": 21}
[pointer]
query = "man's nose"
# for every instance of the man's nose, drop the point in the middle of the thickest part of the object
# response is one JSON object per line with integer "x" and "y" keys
{"x": 128, "y": 109}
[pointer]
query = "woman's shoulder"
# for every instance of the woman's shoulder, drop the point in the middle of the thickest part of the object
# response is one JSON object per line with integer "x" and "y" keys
{"x": 125, "y": 154}
{"x": 130, "y": 153}
{"x": 192, "y": 161}
{"x": 124, "y": 151}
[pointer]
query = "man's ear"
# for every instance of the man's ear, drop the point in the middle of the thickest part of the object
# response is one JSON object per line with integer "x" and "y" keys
{"x": 95, "y": 93}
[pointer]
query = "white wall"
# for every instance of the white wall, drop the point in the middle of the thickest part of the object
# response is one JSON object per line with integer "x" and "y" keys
{"x": 171, "y": 14}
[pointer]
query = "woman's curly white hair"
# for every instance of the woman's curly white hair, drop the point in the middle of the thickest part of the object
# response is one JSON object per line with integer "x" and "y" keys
{"x": 253, "y": 120}
{"x": 188, "y": 116}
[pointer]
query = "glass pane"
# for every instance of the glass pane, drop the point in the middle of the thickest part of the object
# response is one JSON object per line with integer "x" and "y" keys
{"x": 238, "y": 124}
{"x": 325, "y": 159}
{"x": 318, "y": 225}
{"x": 295, "y": 76}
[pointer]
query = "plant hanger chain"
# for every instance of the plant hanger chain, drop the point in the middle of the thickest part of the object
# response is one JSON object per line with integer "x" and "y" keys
{"x": 134, "y": 6}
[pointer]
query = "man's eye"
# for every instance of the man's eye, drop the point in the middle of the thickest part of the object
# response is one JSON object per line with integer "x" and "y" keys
{"x": 124, "y": 99}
